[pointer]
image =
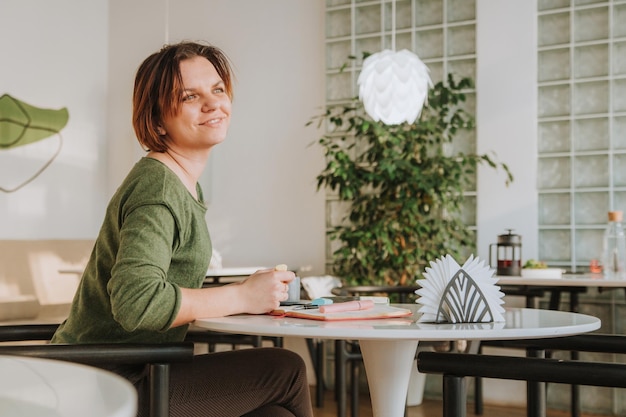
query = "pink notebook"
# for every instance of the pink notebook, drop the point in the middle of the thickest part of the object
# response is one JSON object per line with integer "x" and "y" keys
{"x": 376, "y": 312}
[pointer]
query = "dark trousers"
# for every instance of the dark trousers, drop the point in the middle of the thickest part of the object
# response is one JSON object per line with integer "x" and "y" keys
{"x": 259, "y": 382}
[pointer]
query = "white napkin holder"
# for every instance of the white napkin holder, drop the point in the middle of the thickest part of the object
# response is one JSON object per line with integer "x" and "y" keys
{"x": 450, "y": 293}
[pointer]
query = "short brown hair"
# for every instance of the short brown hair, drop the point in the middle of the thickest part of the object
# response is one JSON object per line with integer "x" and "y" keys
{"x": 158, "y": 86}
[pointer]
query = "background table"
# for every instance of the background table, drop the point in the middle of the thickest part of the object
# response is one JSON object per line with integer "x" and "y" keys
{"x": 389, "y": 345}
{"x": 214, "y": 277}
{"x": 221, "y": 276}
{"x": 573, "y": 284}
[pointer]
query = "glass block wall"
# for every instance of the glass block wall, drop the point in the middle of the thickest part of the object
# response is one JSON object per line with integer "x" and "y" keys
{"x": 440, "y": 32}
{"x": 582, "y": 126}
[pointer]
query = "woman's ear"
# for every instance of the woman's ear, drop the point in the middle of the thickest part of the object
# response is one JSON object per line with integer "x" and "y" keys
{"x": 161, "y": 131}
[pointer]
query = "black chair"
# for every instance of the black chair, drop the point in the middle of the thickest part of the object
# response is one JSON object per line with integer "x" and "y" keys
{"x": 158, "y": 357}
{"x": 532, "y": 295}
{"x": 535, "y": 369}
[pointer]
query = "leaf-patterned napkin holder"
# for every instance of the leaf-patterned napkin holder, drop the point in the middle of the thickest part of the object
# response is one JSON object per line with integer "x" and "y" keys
{"x": 450, "y": 293}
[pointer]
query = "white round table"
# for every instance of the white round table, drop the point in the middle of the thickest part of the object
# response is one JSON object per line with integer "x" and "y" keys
{"x": 33, "y": 387}
{"x": 389, "y": 345}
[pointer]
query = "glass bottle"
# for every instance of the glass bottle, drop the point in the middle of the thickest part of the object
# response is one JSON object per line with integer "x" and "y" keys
{"x": 614, "y": 248}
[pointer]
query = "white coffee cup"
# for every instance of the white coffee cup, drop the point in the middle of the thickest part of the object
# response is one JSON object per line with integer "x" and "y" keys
{"x": 294, "y": 290}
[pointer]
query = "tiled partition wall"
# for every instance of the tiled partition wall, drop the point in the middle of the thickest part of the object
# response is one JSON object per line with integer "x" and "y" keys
{"x": 582, "y": 126}
{"x": 440, "y": 32}
{"x": 582, "y": 155}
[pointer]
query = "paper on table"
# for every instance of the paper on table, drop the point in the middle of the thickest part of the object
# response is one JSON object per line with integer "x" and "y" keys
{"x": 377, "y": 312}
{"x": 321, "y": 286}
{"x": 455, "y": 294}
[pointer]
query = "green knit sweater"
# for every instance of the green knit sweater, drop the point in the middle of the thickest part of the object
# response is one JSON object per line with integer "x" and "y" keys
{"x": 153, "y": 241}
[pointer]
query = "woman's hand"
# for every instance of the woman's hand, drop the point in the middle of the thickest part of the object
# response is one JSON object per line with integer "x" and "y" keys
{"x": 260, "y": 293}
{"x": 264, "y": 290}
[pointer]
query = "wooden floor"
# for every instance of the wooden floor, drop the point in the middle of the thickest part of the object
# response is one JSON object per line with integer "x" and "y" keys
{"x": 430, "y": 408}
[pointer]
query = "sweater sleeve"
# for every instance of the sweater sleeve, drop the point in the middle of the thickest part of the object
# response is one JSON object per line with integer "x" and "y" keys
{"x": 142, "y": 297}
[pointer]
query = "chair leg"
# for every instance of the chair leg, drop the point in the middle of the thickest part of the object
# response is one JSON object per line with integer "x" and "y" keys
{"x": 478, "y": 389}
{"x": 478, "y": 396}
{"x": 316, "y": 351}
{"x": 575, "y": 391}
{"x": 343, "y": 357}
{"x": 340, "y": 377}
{"x": 535, "y": 390}
{"x": 278, "y": 342}
{"x": 453, "y": 396}
{"x": 159, "y": 380}
{"x": 354, "y": 387}
{"x": 319, "y": 373}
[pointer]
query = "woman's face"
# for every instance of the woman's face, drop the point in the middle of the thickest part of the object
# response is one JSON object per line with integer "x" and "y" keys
{"x": 204, "y": 115}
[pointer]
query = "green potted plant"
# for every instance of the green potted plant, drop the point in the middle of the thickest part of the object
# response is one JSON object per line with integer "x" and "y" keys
{"x": 403, "y": 185}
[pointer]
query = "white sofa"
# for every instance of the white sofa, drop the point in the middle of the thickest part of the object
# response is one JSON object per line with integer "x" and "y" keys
{"x": 38, "y": 278}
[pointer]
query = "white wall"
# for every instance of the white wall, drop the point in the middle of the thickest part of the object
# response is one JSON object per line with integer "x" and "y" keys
{"x": 54, "y": 55}
{"x": 136, "y": 29}
{"x": 506, "y": 120}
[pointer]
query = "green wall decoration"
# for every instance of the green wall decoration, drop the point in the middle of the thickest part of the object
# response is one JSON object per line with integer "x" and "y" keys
{"x": 22, "y": 124}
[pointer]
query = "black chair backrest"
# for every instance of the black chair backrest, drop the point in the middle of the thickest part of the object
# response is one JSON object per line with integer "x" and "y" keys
{"x": 536, "y": 370}
{"x": 21, "y": 332}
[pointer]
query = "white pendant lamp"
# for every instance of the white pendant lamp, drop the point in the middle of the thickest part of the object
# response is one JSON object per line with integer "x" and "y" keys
{"x": 393, "y": 86}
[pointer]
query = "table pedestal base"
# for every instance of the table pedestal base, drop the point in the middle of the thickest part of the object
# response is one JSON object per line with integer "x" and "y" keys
{"x": 388, "y": 367}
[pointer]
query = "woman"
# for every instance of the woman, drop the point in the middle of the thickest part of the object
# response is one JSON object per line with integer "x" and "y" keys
{"x": 143, "y": 280}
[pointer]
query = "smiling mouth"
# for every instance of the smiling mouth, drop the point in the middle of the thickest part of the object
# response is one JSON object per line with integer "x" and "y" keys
{"x": 213, "y": 121}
